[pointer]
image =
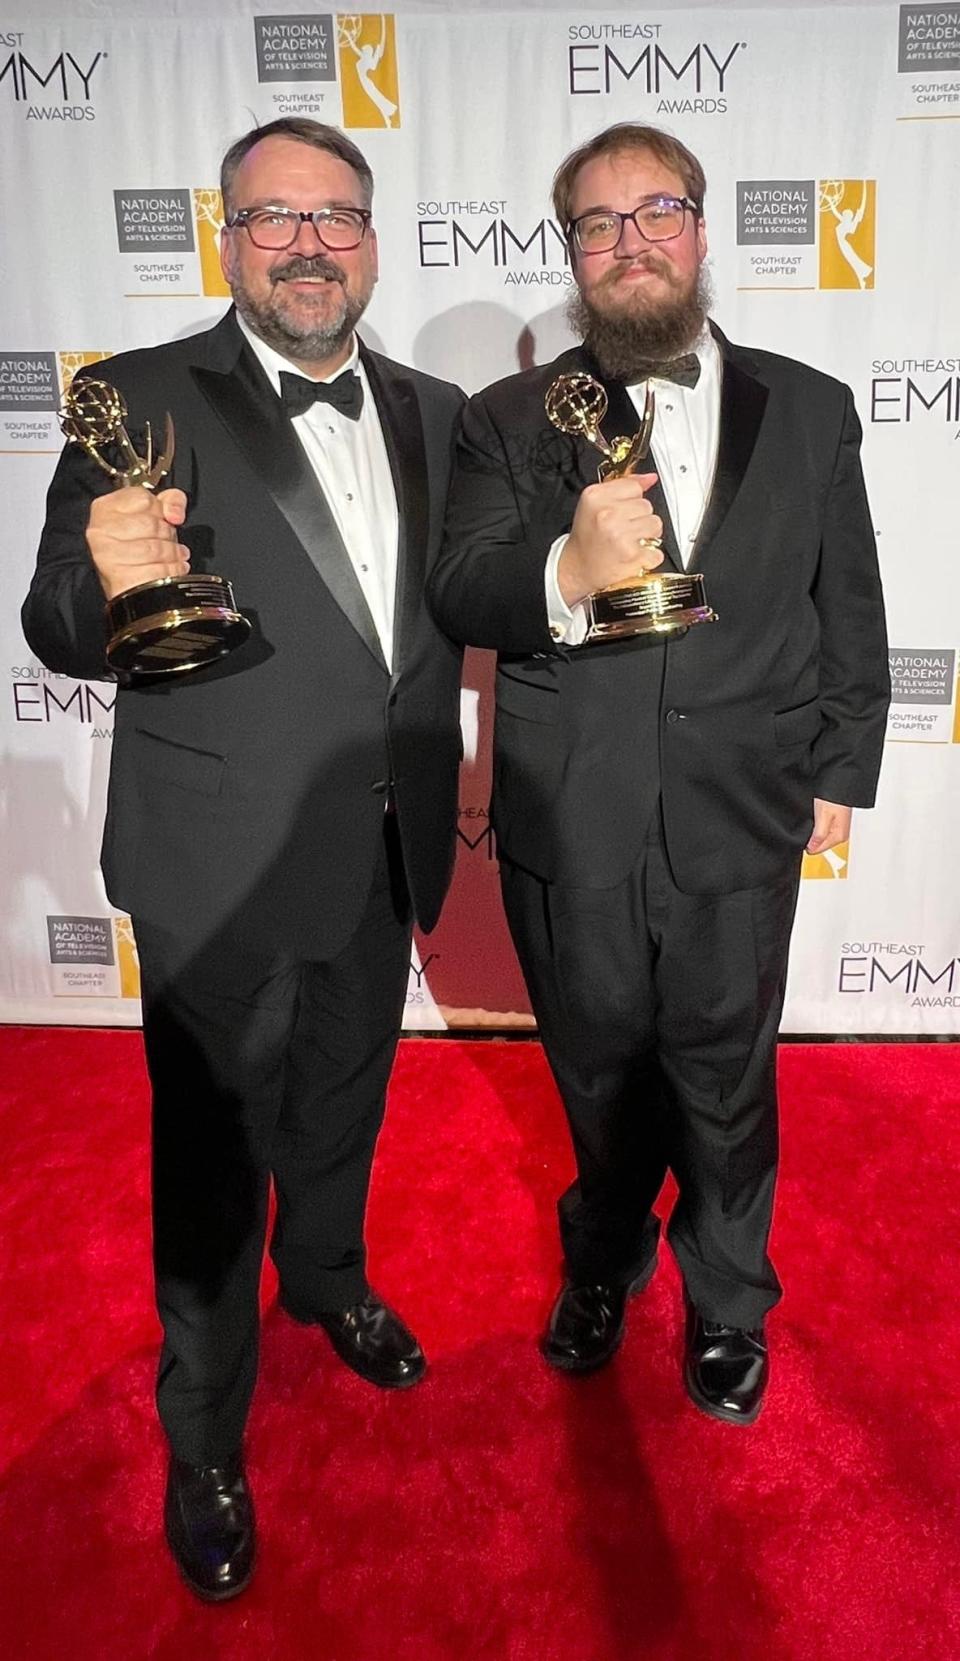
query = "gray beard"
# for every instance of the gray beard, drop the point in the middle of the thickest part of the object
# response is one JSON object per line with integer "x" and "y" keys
{"x": 299, "y": 345}
{"x": 629, "y": 348}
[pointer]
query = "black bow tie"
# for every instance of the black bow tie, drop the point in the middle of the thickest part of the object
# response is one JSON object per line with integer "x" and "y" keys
{"x": 684, "y": 371}
{"x": 345, "y": 393}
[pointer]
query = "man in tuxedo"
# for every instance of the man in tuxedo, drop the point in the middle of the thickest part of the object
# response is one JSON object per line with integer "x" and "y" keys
{"x": 277, "y": 819}
{"x": 653, "y": 795}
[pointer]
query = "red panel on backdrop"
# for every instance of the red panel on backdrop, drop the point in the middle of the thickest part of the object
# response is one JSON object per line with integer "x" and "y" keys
{"x": 469, "y": 962}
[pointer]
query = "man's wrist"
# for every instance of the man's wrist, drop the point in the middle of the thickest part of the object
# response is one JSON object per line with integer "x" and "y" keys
{"x": 570, "y": 578}
{"x": 567, "y": 623}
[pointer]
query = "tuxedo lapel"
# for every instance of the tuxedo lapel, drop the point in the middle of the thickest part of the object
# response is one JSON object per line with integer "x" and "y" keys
{"x": 245, "y": 402}
{"x": 742, "y": 403}
{"x": 402, "y": 426}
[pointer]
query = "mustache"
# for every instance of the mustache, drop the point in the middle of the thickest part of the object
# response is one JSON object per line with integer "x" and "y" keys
{"x": 301, "y": 266}
{"x": 645, "y": 262}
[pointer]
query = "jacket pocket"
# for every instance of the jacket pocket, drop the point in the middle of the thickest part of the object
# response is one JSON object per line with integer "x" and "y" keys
{"x": 167, "y": 762}
{"x": 526, "y": 699}
{"x": 800, "y": 725}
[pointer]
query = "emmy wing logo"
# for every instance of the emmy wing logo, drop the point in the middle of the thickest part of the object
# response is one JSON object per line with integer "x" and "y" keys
{"x": 834, "y": 865}
{"x": 369, "y": 84}
{"x": 128, "y": 961}
{"x": 208, "y": 211}
{"x": 848, "y": 227}
{"x": 70, "y": 362}
{"x": 805, "y": 234}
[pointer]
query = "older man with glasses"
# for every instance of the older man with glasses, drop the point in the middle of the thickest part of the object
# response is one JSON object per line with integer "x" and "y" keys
{"x": 654, "y": 790}
{"x": 277, "y": 818}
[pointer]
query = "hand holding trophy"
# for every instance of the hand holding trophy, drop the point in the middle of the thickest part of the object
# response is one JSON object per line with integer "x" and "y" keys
{"x": 172, "y": 623}
{"x": 646, "y": 601}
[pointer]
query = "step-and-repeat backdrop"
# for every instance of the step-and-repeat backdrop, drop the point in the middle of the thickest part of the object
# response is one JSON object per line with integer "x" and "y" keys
{"x": 830, "y": 142}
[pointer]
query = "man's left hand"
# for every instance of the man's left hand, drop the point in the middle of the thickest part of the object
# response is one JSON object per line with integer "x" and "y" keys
{"x": 831, "y": 824}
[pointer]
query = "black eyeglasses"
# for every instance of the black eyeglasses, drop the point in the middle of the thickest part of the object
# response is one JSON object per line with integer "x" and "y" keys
{"x": 658, "y": 219}
{"x": 277, "y": 228}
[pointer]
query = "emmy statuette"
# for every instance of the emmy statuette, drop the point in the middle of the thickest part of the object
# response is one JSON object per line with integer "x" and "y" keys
{"x": 172, "y": 624}
{"x": 651, "y": 602}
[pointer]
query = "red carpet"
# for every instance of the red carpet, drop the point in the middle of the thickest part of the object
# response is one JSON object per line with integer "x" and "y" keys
{"x": 499, "y": 1512}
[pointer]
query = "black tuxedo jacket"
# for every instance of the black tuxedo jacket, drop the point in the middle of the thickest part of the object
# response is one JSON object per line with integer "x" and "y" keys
{"x": 735, "y": 725}
{"x": 250, "y": 795}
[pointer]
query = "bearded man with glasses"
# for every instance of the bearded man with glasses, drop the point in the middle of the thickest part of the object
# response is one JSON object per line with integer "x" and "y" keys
{"x": 653, "y": 795}
{"x": 276, "y": 819}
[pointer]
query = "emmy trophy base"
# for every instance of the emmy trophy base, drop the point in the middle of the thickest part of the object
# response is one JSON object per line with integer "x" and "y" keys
{"x": 651, "y": 604}
{"x": 173, "y": 625}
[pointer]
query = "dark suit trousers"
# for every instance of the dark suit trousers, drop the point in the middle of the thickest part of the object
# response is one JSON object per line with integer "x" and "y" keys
{"x": 262, "y": 1066}
{"x": 659, "y": 1013}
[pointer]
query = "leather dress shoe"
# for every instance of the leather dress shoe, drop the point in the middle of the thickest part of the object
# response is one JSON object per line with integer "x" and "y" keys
{"x": 587, "y": 1322}
{"x": 725, "y": 1368}
{"x": 371, "y": 1338}
{"x": 208, "y": 1517}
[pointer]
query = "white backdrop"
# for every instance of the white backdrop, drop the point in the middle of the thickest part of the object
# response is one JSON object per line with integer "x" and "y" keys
{"x": 829, "y": 137}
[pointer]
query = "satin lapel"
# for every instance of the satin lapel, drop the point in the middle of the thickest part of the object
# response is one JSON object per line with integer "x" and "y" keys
{"x": 621, "y": 420}
{"x": 402, "y": 425}
{"x": 253, "y": 415}
{"x": 742, "y": 402}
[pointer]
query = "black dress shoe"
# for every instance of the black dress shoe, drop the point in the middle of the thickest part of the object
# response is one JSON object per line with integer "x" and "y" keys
{"x": 208, "y": 1516}
{"x": 725, "y": 1368}
{"x": 371, "y": 1338}
{"x": 587, "y": 1322}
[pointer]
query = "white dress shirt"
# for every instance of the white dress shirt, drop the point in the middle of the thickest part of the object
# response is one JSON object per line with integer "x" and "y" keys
{"x": 350, "y": 461}
{"x": 686, "y": 433}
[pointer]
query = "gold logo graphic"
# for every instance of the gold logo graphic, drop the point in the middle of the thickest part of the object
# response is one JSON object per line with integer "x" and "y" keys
{"x": 208, "y": 209}
{"x": 70, "y": 362}
{"x": 848, "y": 232}
{"x": 834, "y": 864}
{"x": 128, "y": 961}
{"x": 367, "y": 49}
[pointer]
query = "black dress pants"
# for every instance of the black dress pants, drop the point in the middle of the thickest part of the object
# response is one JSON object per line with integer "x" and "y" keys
{"x": 260, "y": 1066}
{"x": 659, "y": 1013}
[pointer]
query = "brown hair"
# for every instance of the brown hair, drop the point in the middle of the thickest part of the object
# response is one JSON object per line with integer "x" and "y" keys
{"x": 304, "y": 131}
{"x": 628, "y": 135}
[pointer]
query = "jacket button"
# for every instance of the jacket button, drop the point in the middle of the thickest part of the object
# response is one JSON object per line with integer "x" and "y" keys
{"x": 672, "y": 715}
{"x": 380, "y": 788}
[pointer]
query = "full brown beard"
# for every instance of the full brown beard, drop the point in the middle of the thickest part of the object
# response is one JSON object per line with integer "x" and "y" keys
{"x": 629, "y": 340}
